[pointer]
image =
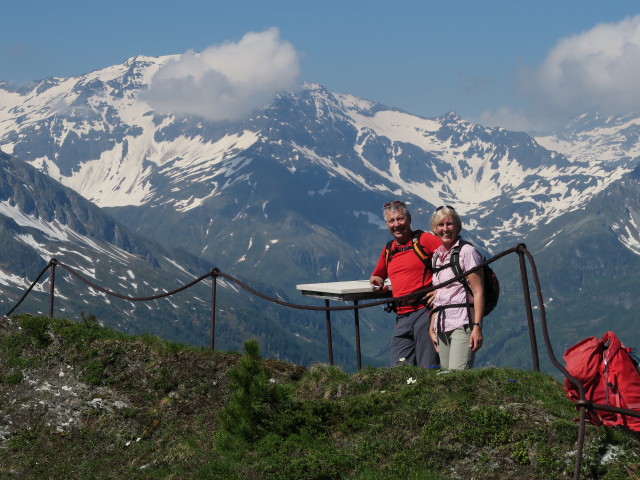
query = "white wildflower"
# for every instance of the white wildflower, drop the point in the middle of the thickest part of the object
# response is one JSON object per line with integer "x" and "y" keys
{"x": 411, "y": 381}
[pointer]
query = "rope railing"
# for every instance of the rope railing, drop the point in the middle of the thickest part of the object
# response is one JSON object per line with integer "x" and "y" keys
{"x": 524, "y": 256}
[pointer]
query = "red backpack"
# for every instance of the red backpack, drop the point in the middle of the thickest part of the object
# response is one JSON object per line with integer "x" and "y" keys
{"x": 610, "y": 377}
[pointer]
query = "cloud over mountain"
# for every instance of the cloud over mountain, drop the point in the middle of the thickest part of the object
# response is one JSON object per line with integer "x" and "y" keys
{"x": 596, "y": 70}
{"x": 228, "y": 81}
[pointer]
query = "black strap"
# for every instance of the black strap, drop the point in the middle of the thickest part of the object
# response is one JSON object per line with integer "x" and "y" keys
{"x": 416, "y": 247}
{"x": 454, "y": 264}
{"x": 451, "y": 305}
{"x": 413, "y": 302}
{"x": 441, "y": 313}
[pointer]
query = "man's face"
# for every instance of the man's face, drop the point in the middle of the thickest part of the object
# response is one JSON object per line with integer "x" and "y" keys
{"x": 399, "y": 224}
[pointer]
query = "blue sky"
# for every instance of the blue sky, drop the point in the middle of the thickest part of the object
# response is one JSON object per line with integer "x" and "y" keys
{"x": 509, "y": 63}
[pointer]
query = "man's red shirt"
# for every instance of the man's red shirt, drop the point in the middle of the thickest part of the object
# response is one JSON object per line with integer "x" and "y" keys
{"x": 406, "y": 271}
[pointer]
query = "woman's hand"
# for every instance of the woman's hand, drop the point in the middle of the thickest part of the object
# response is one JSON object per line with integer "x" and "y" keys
{"x": 475, "y": 341}
{"x": 432, "y": 333}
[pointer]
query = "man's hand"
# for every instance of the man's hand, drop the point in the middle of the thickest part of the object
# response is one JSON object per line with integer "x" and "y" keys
{"x": 429, "y": 298}
{"x": 377, "y": 284}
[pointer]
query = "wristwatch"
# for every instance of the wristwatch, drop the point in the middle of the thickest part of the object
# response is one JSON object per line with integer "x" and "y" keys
{"x": 479, "y": 325}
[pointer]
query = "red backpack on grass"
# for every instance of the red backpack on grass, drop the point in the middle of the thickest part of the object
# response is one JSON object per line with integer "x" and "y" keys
{"x": 609, "y": 373}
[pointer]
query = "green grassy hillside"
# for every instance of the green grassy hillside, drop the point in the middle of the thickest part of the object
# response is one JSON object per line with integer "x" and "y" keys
{"x": 78, "y": 401}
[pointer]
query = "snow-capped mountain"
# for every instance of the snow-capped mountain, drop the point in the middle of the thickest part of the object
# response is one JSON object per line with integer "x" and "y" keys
{"x": 96, "y": 134}
{"x": 588, "y": 262}
{"x": 41, "y": 219}
{"x": 597, "y": 139}
{"x": 293, "y": 193}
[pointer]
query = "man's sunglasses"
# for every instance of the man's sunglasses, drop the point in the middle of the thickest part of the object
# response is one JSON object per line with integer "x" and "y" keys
{"x": 395, "y": 202}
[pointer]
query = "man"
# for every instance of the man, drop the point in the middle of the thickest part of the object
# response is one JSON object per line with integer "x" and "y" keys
{"x": 411, "y": 342}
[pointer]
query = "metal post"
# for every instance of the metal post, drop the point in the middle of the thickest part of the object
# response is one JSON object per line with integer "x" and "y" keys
{"x": 527, "y": 303}
{"x": 579, "y": 443}
{"x": 214, "y": 289}
{"x": 52, "y": 285}
{"x": 329, "y": 338}
{"x": 356, "y": 315}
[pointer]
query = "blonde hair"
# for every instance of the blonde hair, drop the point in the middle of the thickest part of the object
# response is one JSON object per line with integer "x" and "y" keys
{"x": 446, "y": 211}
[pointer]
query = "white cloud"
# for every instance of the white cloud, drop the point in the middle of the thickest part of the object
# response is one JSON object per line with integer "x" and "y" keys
{"x": 228, "y": 81}
{"x": 509, "y": 118}
{"x": 596, "y": 70}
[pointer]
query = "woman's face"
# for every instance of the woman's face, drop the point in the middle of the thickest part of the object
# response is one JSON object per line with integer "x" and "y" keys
{"x": 446, "y": 231}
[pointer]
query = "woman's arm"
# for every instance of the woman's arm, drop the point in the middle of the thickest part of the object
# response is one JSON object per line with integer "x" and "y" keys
{"x": 432, "y": 331}
{"x": 476, "y": 283}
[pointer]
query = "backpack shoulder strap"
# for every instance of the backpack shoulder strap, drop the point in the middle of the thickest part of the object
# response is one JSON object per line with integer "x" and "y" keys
{"x": 457, "y": 270}
{"x": 417, "y": 247}
{"x": 455, "y": 259}
{"x": 434, "y": 260}
{"x": 455, "y": 263}
{"x": 387, "y": 252}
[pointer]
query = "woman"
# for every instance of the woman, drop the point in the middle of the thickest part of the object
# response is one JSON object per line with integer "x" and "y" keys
{"x": 456, "y": 319}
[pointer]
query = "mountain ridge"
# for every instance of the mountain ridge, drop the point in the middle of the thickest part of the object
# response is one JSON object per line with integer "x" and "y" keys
{"x": 293, "y": 193}
{"x": 366, "y": 143}
{"x": 57, "y": 222}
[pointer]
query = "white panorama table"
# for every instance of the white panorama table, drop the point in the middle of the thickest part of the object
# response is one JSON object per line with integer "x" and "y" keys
{"x": 347, "y": 291}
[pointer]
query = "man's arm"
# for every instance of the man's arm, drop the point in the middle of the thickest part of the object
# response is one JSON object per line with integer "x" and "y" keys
{"x": 379, "y": 274}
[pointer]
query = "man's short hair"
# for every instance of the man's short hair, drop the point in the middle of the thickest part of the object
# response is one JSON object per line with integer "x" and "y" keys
{"x": 395, "y": 206}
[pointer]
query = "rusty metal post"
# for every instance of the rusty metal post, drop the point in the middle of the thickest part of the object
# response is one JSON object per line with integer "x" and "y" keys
{"x": 356, "y": 315}
{"x": 527, "y": 303}
{"x": 580, "y": 443}
{"x": 52, "y": 285}
{"x": 214, "y": 291}
{"x": 329, "y": 337}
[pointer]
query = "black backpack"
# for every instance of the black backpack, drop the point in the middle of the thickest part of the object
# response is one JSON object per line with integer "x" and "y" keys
{"x": 491, "y": 283}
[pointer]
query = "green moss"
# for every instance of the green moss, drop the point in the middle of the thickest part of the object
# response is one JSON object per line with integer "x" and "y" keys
{"x": 192, "y": 413}
{"x": 37, "y": 328}
{"x": 488, "y": 425}
{"x": 520, "y": 453}
{"x": 12, "y": 378}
